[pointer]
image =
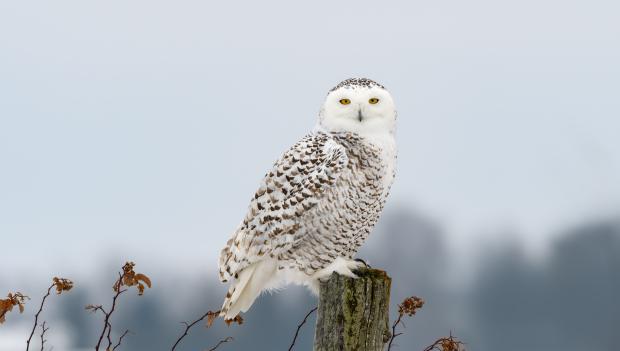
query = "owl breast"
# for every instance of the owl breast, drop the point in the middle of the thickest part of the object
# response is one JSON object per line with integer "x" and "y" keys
{"x": 346, "y": 213}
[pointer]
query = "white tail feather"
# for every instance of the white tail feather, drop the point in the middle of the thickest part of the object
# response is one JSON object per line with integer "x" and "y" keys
{"x": 243, "y": 291}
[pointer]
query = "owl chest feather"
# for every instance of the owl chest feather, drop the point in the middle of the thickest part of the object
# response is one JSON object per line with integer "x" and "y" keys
{"x": 361, "y": 191}
{"x": 341, "y": 221}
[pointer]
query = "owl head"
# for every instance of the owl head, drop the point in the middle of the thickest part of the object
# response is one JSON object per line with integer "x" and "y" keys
{"x": 358, "y": 105}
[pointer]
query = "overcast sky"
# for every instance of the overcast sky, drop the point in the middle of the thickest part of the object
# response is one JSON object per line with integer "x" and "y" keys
{"x": 145, "y": 126}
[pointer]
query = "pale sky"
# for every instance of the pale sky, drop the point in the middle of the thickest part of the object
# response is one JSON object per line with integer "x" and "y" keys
{"x": 145, "y": 126}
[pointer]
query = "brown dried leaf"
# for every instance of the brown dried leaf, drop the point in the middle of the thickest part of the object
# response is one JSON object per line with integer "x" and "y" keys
{"x": 211, "y": 317}
{"x": 62, "y": 284}
{"x": 143, "y": 278}
{"x": 410, "y": 306}
{"x": 446, "y": 344}
{"x": 6, "y": 305}
{"x": 131, "y": 278}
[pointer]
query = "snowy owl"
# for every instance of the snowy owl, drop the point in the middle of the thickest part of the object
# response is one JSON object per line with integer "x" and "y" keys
{"x": 320, "y": 200}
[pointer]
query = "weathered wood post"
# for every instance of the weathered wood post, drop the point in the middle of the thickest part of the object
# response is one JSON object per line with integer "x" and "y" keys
{"x": 353, "y": 314}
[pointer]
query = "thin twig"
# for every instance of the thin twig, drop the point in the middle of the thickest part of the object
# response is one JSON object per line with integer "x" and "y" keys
{"x": 446, "y": 344}
{"x": 36, "y": 316}
{"x": 106, "y": 322}
{"x": 435, "y": 344}
{"x": 109, "y": 337}
{"x": 120, "y": 339}
{"x": 394, "y": 333}
{"x": 95, "y": 308}
{"x": 228, "y": 338}
{"x": 408, "y": 307}
{"x": 299, "y": 327}
{"x": 43, "y": 330}
{"x": 188, "y": 326}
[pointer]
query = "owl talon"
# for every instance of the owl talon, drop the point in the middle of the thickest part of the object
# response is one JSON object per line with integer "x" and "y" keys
{"x": 362, "y": 261}
{"x": 355, "y": 266}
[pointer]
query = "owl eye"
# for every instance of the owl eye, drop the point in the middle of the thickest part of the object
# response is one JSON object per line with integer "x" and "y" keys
{"x": 345, "y": 101}
{"x": 373, "y": 101}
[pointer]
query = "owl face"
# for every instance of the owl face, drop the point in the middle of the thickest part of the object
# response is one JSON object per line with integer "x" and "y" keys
{"x": 358, "y": 105}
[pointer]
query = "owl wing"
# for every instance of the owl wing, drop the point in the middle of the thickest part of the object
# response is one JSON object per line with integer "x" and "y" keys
{"x": 294, "y": 185}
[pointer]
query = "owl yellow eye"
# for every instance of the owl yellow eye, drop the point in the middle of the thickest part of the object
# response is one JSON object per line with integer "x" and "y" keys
{"x": 373, "y": 101}
{"x": 345, "y": 101}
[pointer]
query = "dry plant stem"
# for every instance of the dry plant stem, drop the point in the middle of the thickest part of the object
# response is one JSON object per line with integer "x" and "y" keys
{"x": 36, "y": 316}
{"x": 434, "y": 345}
{"x": 408, "y": 307}
{"x": 446, "y": 344}
{"x": 106, "y": 322}
{"x": 229, "y": 338}
{"x": 190, "y": 325}
{"x": 108, "y": 336}
{"x": 299, "y": 327}
{"x": 43, "y": 330}
{"x": 394, "y": 333}
{"x": 120, "y": 340}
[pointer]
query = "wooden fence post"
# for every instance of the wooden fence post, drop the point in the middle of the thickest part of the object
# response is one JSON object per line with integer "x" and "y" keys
{"x": 353, "y": 314}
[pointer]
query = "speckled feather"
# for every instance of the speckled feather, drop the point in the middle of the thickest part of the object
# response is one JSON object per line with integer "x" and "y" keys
{"x": 353, "y": 83}
{"x": 318, "y": 202}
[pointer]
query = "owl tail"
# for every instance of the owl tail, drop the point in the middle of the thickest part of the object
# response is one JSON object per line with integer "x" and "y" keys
{"x": 244, "y": 290}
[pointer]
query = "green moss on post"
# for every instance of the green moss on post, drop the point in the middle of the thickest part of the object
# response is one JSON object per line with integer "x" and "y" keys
{"x": 353, "y": 314}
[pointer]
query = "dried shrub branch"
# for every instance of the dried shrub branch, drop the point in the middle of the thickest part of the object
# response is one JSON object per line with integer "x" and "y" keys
{"x": 12, "y": 300}
{"x": 223, "y": 341}
{"x": 108, "y": 336}
{"x": 61, "y": 284}
{"x": 209, "y": 315}
{"x": 446, "y": 344}
{"x": 127, "y": 278}
{"x": 408, "y": 307}
{"x": 43, "y": 340}
{"x": 299, "y": 327}
{"x": 120, "y": 340}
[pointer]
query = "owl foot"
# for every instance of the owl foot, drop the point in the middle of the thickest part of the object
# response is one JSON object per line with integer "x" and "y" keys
{"x": 354, "y": 266}
{"x": 362, "y": 261}
{"x": 341, "y": 266}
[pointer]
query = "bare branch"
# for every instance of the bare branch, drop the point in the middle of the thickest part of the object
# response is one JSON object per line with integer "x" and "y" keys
{"x": 210, "y": 315}
{"x": 128, "y": 278}
{"x": 299, "y": 327}
{"x": 109, "y": 337}
{"x": 95, "y": 308}
{"x": 36, "y": 316}
{"x": 394, "y": 334}
{"x": 106, "y": 322}
{"x": 446, "y": 344}
{"x": 43, "y": 330}
{"x": 228, "y": 339}
{"x": 120, "y": 340}
{"x": 61, "y": 284}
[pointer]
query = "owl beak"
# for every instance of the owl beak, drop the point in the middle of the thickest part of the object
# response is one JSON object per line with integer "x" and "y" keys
{"x": 359, "y": 115}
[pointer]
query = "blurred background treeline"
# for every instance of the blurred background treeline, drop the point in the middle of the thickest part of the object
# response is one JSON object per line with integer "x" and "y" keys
{"x": 566, "y": 300}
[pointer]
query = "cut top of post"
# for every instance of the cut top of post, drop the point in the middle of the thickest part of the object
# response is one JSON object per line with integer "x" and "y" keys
{"x": 353, "y": 313}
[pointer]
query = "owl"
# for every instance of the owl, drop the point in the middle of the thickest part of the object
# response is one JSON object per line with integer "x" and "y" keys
{"x": 316, "y": 206}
